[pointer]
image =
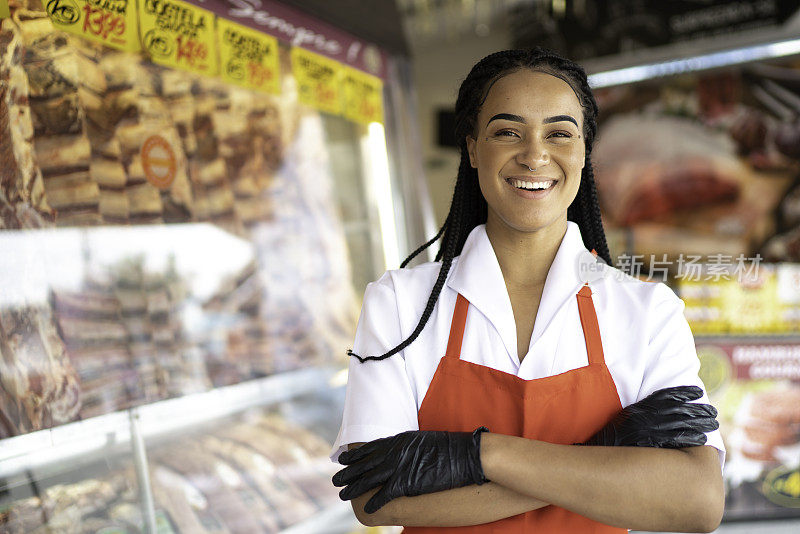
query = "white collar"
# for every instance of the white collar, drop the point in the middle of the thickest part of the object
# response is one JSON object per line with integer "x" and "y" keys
{"x": 478, "y": 277}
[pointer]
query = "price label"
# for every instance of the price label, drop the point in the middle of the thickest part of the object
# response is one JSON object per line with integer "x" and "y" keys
{"x": 318, "y": 80}
{"x": 4, "y": 11}
{"x": 108, "y": 22}
{"x": 247, "y": 57}
{"x": 363, "y": 97}
{"x": 179, "y": 35}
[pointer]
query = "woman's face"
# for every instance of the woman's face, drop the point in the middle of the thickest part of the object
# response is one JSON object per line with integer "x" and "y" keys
{"x": 529, "y": 119}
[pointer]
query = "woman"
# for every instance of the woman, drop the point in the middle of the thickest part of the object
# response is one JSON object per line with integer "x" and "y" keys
{"x": 525, "y": 334}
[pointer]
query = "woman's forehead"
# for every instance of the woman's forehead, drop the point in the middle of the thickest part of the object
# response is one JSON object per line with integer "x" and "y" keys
{"x": 533, "y": 92}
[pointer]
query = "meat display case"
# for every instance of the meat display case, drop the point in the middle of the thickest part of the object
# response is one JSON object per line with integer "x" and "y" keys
{"x": 180, "y": 465}
{"x": 181, "y": 266}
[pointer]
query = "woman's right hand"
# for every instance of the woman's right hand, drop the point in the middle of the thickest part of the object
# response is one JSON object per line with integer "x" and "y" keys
{"x": 664, "y": 419}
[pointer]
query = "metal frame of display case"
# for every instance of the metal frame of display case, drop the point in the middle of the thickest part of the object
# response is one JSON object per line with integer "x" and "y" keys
{"x": 701, "y": 62}
{"x": 696, "y": 54}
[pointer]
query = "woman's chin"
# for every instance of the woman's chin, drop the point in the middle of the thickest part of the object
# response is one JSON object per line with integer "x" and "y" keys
{"x": 531, "y": 223}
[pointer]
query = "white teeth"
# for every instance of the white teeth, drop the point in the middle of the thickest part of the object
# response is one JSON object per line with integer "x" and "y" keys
{"x": 521, "y": 184}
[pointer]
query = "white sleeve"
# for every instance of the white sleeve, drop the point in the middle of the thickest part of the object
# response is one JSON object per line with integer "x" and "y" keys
{"x": 672, "y": 356}
{"x": 379, "y": 401}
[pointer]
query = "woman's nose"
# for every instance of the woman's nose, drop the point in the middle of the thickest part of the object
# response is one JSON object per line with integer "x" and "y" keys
{"x": 533, "y": 155}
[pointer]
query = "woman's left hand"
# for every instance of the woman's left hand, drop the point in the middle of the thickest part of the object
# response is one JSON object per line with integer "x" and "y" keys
{"x": 411, "y": 463}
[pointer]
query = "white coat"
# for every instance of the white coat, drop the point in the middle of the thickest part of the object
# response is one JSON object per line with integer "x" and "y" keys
{"x": 646, "y": 340}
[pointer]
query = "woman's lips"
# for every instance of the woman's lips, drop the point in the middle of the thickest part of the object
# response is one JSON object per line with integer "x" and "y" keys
{"x": 519, "y": 183}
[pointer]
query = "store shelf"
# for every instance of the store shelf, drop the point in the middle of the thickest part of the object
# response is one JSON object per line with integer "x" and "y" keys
{"x": 65, "y": 443}
{"x": 174, "y": 415}
{"x": 111, "y": 432}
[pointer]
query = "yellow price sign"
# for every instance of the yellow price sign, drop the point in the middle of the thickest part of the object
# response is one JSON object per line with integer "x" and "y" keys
{"x": 248, "y": 57}
{"x": 318, "y": 80}
{"x": 108, "y": 22}
{"x": 363, "y": 97}
{"x": 4, "y": 11}
{"x": 177, "y": 34}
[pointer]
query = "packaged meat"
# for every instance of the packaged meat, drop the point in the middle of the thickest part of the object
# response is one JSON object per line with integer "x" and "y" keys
{"x": 287, "y": 508}
{"x": 35, "y": 371}
{"x": 60, "y": 114}
{"x": 180, "y": 500}
{"x": 74, "y": 191}
{"x": 21, "y": 184}
{"x": 67, "y": 154}
{"x": 26, "y": 515}
{"x": 199, "y": 468}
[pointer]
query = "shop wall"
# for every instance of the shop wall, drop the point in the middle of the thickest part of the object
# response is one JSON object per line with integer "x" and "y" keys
{"x": 438, "y": 72}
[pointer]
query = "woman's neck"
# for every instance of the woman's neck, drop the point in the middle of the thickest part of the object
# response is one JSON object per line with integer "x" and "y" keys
{"x": 525, "y": 257}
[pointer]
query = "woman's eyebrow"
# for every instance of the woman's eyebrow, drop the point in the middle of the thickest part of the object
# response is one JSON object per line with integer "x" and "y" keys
{"x": 559, "y": 118}
{"x": 508, "y": 117}
{"x": 548, "y": 120}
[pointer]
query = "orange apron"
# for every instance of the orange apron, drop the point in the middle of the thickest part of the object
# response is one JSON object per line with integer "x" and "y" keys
{"x": 566, "y": 408}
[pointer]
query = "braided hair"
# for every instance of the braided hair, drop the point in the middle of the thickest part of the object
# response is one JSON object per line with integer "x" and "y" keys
{"x": 468, "y": 208}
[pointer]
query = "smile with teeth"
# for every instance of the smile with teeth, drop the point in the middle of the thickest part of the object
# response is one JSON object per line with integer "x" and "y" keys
{"x": 531, "y": 186}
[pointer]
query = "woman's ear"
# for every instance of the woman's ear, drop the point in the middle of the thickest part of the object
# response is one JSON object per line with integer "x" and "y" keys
{"x": 471, "y": 151}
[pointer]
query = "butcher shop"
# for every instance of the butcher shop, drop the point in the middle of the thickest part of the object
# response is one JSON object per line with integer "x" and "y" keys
{"x": 228, "y": 228}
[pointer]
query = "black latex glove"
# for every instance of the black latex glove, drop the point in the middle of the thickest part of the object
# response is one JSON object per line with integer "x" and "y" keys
{"x": 411, "y": 463}
{"x": 664, "y": 419}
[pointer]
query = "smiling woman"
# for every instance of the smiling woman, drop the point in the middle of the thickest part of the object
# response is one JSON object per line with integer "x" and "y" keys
{"x": 524, "y": 153}
{"x": 591, "y": 406}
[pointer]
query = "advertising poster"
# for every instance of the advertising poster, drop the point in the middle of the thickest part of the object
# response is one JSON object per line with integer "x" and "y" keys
{"x": 755, "y": 384}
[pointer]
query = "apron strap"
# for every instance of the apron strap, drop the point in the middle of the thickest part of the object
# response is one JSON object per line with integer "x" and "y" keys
{"x": 591, "y": 329}
{"x": 457, "y": 328}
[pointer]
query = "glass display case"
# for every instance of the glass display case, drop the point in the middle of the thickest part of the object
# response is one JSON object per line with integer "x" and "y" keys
{"x": 180, "y": 264}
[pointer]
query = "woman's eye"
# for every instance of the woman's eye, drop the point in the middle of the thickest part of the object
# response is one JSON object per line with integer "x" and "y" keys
{"x": 506, "y": 133}
{"x": 565, "y": 135}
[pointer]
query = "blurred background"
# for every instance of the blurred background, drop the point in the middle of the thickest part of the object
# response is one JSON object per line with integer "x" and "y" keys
{"x": 194, "y": 195}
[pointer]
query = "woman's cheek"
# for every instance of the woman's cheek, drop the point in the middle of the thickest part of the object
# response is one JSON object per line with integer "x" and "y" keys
{"x": 572, "y": 157}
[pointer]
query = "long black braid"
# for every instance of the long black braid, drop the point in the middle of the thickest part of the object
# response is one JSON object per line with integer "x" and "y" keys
{"x": 468, "y": 208}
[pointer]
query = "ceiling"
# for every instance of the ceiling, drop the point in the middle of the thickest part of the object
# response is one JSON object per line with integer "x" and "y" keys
{"x": 376, "y": 21}
{"x": 406, "y": 27}
{"x": 581, "y": 29}
{"x": 430, "y": 22}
